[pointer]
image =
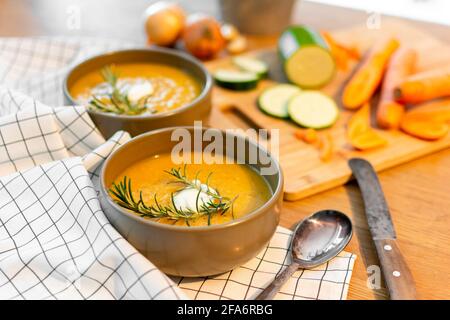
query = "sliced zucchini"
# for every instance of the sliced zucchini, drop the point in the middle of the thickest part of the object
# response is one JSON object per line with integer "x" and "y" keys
{"x": 236, "y": 80}
{"x": 307, "y": 60}
{"x": 252, "y": 65}
{"x": 313, "y": 109}
{"x": 274, "y": 100}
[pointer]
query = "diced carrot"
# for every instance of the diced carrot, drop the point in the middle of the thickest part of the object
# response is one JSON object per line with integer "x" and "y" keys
{"x": 368, "y": 140}
{"x": 401, "y": 65}
{"x": 367, "y": 78}
{"x": 423, "y": 129}
{"x": 299, "y": 134}
{"x": 310, "y": 136}
{"x": 326, "y": 147}
{"x": 359, "y": 133}
{"x": 424, "y": 86}
{"x": 438, "y": 110}
{"x": 359, "y": 122}
{"x": 307, "y": 135}
{"x": 429, "y": 121}
{"x": 323, "y": 142}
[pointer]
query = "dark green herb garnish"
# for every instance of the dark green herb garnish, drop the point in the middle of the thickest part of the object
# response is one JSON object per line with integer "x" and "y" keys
{"x": 123, "y": 193}
{"x": 116, "y": 101}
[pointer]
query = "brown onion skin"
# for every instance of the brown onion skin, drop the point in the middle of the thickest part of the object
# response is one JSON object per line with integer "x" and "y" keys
{"x": 164, "y": 23}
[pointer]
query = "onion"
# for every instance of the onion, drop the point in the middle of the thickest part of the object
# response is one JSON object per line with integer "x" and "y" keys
{"x": 202, "y": 36}
{"x": 164, "y": 22}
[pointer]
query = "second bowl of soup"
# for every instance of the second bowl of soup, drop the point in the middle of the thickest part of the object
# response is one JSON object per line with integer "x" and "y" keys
{"x": 140, "y": 90}
{"x": 193, "y": 217}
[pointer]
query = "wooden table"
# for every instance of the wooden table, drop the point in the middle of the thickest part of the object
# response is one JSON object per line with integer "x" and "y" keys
{"x": 418, "y": 192}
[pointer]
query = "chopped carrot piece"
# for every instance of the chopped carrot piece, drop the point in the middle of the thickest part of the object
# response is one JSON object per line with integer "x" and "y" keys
{"x": 299, "y": 134}
{"x": 326, "y": 147}
{"x": 368, "y": 140}
{"x": 424, "y": 86}
{"x": 310, "y": 136}
{"x": 365, "y": 81}
{"x": 360, "y": 135}
{"x": 390, "y": 112}
{"x": 307, "y": 135}
{"x": 430, "y": 121}
{"x": 423, "y": 129}
{"x": 438, "y": 110}
{"x": 342, "y": 54}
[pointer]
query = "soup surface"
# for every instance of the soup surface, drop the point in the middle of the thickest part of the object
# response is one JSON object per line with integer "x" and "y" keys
{"x": 154, "y": 87}
{"x": 238, "y": 183}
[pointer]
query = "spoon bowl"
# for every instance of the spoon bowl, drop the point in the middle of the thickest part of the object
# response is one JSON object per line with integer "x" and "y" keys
{"x": 317, "y": 239}
{"x": 320, "y": 238}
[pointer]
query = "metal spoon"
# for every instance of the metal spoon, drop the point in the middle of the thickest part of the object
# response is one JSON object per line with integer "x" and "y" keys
{"x": 316, "y": 240}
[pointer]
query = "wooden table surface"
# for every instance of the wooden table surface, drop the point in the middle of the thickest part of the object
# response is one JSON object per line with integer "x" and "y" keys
{"x": 418, "y": 192}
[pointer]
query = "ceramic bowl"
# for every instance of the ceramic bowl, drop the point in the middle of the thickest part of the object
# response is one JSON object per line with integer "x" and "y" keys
{"x": 109, "y": 123}
{"x": 192, "y": 251}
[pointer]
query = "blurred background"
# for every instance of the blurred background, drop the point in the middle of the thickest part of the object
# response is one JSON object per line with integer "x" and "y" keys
{"x": 123, "y": 19}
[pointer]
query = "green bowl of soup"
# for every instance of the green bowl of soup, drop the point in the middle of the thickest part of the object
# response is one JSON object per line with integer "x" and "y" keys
{"x": 192, "y": 215}
{"x": 138, "y": 90}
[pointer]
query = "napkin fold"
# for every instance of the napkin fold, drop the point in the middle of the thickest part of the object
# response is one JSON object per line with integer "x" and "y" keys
{"x": 55, "y": 241}
{"x": 329, "y": 281}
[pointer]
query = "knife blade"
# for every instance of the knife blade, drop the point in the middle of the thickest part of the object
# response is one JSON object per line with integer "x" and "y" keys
{"x": 377, "y": 211}
{"x": 397, "y": 275}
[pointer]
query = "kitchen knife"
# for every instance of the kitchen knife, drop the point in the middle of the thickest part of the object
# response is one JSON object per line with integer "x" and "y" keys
{"x": 395, "y": 270}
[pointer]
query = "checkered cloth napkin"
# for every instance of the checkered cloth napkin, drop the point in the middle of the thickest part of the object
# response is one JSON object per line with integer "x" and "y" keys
{"x": 55, "y": 241}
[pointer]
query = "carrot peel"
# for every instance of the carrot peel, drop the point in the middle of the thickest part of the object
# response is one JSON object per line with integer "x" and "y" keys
{"x": 342, "y": 54}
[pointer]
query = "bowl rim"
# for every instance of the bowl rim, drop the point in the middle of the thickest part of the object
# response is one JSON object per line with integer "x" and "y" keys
{"x": 276, "y": 194}
{"x": 172, "y": 52}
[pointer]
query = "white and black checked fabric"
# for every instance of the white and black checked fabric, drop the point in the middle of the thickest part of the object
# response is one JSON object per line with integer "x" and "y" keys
{"x": 37, "y": 66}
{"x": 326, "y": 282}
{"x": 55, "y": 242}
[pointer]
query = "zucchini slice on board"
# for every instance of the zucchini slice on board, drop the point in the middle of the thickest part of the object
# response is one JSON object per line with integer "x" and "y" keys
{"x": 313, "y": 109}
{"x": 236, "y": 80}
{"x": 252, "y": 65}
{"x": 274, "y": 100}
{"x": 307, "y": 61}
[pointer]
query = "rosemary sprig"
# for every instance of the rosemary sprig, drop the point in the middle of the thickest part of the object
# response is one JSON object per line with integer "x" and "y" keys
{"x": 181, "y": 177}
{"x": 123, "y": 194}
{"x": 117, "y": 101}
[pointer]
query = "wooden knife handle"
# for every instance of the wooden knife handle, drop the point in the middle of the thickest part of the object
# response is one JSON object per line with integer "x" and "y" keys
{"x": 395, "y": 270}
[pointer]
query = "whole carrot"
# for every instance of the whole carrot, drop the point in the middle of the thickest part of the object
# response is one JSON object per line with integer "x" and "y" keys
{"x": 424, "y": 86}
{"x": 401, "y": 65}
{"x": 365, "y": 81}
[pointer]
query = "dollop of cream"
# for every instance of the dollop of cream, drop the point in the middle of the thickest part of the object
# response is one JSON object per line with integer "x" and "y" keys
{"x": 139, "y": 90}
{"x": 186, "y": 199}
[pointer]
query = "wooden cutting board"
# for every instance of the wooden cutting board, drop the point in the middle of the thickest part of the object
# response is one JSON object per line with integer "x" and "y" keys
{"x": 305, "y": 174}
